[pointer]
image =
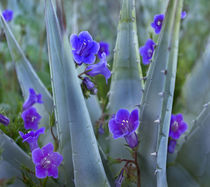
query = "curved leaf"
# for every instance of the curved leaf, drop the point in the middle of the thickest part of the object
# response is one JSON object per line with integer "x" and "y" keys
{"x": 74, "y": 125}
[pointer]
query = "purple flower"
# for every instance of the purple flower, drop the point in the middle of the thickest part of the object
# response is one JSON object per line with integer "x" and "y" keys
{"x": 32, "y": 99}
{"x": 157, "y": 24}
{"x": 46, "y": 161}
{"x": 88, "y": 83}
{"x": 32, "y": 137}
{"x": 177, "y": 126}
{"x": 100, "y": 68}
{"x": 171, "y": 145}
{"x": 120, "y": 178}
{"x": 31, "y": 118}
{"x": 146, "y": 51}
{"x": 8, "y": 15}
{"x": 84, "y": 48}
{"x": 104, "y": 48}
{"x": 124, "y": 124}
{"x": 101, "y": 129}
{"x": 183, "y": 14}
{"x": 4, "y": 120}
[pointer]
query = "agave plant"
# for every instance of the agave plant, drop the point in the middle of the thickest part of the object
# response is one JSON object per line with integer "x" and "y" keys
{"x": 138, "y": 113}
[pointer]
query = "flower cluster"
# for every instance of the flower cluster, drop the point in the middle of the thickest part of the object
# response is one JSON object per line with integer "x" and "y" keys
{"x": 46, "y": 161}
{"x": 84, "y": 49}
{"x": 124, "y": 124}
{"x": 8, "y": 15}
{"x": 177, "y": 128}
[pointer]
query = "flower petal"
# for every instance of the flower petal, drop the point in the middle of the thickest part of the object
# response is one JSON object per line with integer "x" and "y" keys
{"x": 122, "y": 114}
{"x": 85, "y": 35}
{"x": 89, "y": 59}
{"x": 179, "y": 118}
{"x": 53, "y": 171}
{"x": 74, "y": 40}
{"x": 47, "y": 149}
{"x": 37, "y": 156}
{"x": 78, "y": 59}
{"x": 116, "y": 129}
{"x": 132, "y": 140}
{"x": 56, "y": 158}
{"x": 40, "y": 172}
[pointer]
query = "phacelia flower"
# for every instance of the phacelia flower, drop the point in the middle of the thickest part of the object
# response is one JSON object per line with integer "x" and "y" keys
{"x": 177, "y": 126}
{"x": 32, "y": 99}
{"x": 124, "y": 124}
{"x": 104, "y": 48}
{"x": 32, "y": 137}
{"x": 31, "y": 118}
{"x": 146, "y": 51}
{"x": 46, "y": 161}
{"x": 4, "y": 120}
{"x": 84, "y": 48}
{"x": 171, "y": 145}
{"x": 183, "y": 14}
{"x": 99, "y": 68}
{"x": 8, "y": 15}
{"x": 120, "y": 178}
{"x": 157, "y": 24}
{"x": 101, "y": 129}
{"x": 88, "y": 83}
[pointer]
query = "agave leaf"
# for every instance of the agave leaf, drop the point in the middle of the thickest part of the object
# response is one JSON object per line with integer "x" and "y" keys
{"x": 178, "y": 176}
{"x": 27, "y": 76}
{"x": 126, "y": 83}
{"x": 194, "y": 154}
{"x": 165, "y": 119}
{"x": 70, "y": 110}
{"x": 199, "y": 76}
{"x": 94, "y": 109}
{"x": 14, "y": 155}
{"x": 153, "y": 131}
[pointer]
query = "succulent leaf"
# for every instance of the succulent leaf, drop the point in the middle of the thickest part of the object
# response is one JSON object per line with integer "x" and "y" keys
{"x": 73, "y": 121}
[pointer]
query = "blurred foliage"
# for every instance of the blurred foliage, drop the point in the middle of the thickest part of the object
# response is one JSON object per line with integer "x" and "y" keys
{"x": 100, "y": 18}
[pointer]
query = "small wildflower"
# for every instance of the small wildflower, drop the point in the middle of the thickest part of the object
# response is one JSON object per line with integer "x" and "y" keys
{"x": 31, "y": 118}
{"x": 8, "y": 15}
{"x": 46, "y": 161}
{"x": 84, "y": 48}
{"x": 32, "y": 99}
{"x": 157, "y": 24}
{"x": 124, "y": 124}
{"x": 88, "y": 83}
{"x": 177, "y": 126}
{"x": 99, "y": 68}
{"x": 4, "y": 120}
{"x": 32, "y": 137}
{"x": 120, "y": 178}
{"x": 146, "y": 51}
{"x": 101, "y": 129}
{"x": 104, "y": 48}
{"x": 183, "y": 14}
{"x": 171, "y": 145}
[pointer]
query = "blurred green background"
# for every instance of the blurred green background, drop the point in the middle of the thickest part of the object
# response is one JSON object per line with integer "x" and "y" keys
{"x": 100, "y": 18}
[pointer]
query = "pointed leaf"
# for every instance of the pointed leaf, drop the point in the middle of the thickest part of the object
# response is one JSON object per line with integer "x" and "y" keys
{"x": 71, "y": 112}
{"x": 158, "y": 88}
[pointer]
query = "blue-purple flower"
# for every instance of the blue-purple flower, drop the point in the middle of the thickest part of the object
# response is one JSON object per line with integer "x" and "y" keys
{"x": 84, "y": 48}
{"x": 46, "y": 161}
{"x": 99, "y": 68}
{"x": 183, "y": 14}
{"x": 157, "y": 23}
{"x": 124, "y": 124}
{"x": 171, "y": 145}
{"x": 32, "y": 137}
{"x": 101, "y": 129}
{"x": 104, "y": 48}
{"x": 88, "y": 83}
{"x": 120, "y": 178}
{"x": 8, "y": 15}
{"x": 4, "y": 120}
{"x": 31, "y": 118}
{"x": 147, "y": 51}
{"x": 177, "y": 126}
{"x": 32, "y": 99}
